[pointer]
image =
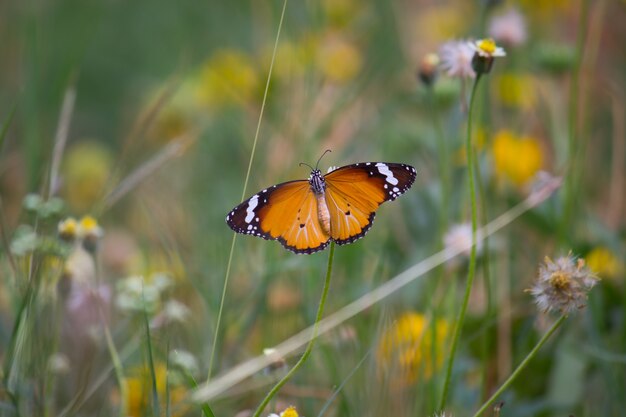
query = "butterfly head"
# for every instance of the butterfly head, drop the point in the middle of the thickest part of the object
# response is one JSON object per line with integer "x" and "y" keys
{"x": 317, "y": 181}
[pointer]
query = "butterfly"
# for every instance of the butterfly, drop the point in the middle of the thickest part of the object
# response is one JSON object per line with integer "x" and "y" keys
{"x": 305, "y": 215}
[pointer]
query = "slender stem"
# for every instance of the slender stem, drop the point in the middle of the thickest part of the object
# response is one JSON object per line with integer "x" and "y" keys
{"x": 243, "y": 194}
{"x": 155, "y": 392}
{"x": 521, "y": 366}
{"x": 444, "y": 166}
{"x": 117, "y": 364}
{"x": 486, "y": 338}
{"x": 472, "y": 260}
{"x": 309, "y": 347}
{"x": 573, "y": 148}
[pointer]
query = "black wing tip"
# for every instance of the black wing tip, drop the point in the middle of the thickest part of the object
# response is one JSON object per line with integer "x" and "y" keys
{"x": 364, "y": 231}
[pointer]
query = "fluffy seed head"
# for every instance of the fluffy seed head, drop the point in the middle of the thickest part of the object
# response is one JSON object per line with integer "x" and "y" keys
{"x": 562, "y": 285}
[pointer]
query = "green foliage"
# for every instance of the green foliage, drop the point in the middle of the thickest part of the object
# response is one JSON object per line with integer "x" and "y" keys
{"x": 168, "y": 97}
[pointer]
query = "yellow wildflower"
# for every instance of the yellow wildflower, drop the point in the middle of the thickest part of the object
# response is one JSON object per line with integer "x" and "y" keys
{"x": 138, "y": 392}
{"x": 603, "y": 261}
{"x": 406, "y": 348}
{"x": 517, "y": 159}
{"x": 339, "y": 60}
{"x": 545, "y": 10}
{"x": 289, "y": 412}
{"x": 68, "y": 229}
{"x": 341, "y": 12}
{"x": 516, "y": 90}
{"x": 292, "y": 58}
{"x": 85, "y": 173}
{"x": 228, "y": 78}
{"x": 440, "y": 22}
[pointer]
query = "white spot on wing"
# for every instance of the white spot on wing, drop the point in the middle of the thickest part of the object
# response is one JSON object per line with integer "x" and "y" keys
{"x": 254, "y": 201}
{"x": 384, "y": 169}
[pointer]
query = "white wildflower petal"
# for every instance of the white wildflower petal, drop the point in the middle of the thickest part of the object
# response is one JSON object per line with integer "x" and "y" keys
{"x": 162, "y": 281}
{"x": 184, "y": 359}
{"x": 456, "y": 59}
{"x": 509, "y": 28}
{"x": 176, "y": 311}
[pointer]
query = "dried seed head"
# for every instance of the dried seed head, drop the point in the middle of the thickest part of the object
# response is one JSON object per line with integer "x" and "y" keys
{"x": 562, "y": 285}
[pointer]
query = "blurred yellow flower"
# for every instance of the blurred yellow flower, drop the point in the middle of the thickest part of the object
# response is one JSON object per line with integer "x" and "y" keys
{"x": 539, "y": 9}
{"x": 441, "y": 22}
{"x": 85, "y": 173}
{"x": 516, "y": 159}
{"x": 604, "y": 263}
{"x": 229, "y": 77}
{"x": 138, "y": 400}
{"x": 406, "y": 348}
{"x": 341, "y": 12}
{"x": 89, "y": 226}
{"x": 68, "y": 229}
{"x": 515, "y": 90}
{"x": 292, "y": 58}
{"x": 339, "y": 60}
{"x": 171, "y": 123}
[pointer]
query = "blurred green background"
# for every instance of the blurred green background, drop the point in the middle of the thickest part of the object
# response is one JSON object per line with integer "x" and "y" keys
{"x": 158, "y": 141}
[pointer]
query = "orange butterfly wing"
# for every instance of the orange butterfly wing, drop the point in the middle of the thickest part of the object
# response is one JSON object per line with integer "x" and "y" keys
{"x": 354, "y": 192}
{"x": 286, "y": 212}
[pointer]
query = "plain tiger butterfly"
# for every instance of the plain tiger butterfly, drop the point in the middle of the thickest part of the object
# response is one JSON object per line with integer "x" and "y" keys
{"x": 305, "y": 215}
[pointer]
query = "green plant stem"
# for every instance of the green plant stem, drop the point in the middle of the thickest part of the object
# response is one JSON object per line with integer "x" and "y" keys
{"x": 486, "y": 339}
{"x": 472, "y": 260}
{"x": 155, "y": 392}
{"x": 243, "y": 194}
{"x": 117, "y": 365}
{"x": 573, "y": 149}
{"x": 309, "y": 347}
{"x": 444, "y": 165}
{"x": 521, "y": 366}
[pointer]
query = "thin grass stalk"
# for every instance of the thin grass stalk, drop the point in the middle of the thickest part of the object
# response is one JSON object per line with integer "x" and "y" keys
{"x": 60, "y": 138}
{"x": 330, "y": 399}
{"x": 243, "y": 193}
{"x": 472, "y": 260}
{"x": 155, "y": 393}
{"x": 117, "y": 365}
{"x": 309, "y": 347}
{"x": 103, "y": 377}
{"x": 444, "y": 166}
{"x": 487, "y": 280}
{"x": 521, "y": 366}
{"x": 572, "y": 127}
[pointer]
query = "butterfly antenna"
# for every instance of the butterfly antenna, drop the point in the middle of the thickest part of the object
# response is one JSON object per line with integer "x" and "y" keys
{"x": 304, "y": 163}
{"x": 318, "y": 161}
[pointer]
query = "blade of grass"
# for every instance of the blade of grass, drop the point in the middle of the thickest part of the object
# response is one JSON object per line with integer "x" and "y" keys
{"x": 243, "y": 194}
{"x": 117, "y": 365}
{"x": 155, "y": 393}
{"x": 191, "y": 381}
{"x": 343, "y": 383}
{"x": 6, "y": 124}
{"x": 60, "y": 138}
{"x": 173, "y": 149}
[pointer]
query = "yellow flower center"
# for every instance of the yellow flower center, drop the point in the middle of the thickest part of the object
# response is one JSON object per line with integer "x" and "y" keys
{"x": 290, "y": 412}
{"x": 560, "y": 280}
{"x": 68, "y": 227}
{"x": 88, "y": 223}
{"x": 487, "y": 45}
